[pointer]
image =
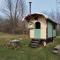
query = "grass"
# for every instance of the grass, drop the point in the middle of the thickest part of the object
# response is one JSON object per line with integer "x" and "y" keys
{"x": 25, "y": 52}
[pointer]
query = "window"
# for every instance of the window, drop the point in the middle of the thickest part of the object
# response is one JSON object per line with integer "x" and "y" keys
{"x": 54, "y": 26}
{"x": 37, "y": 25}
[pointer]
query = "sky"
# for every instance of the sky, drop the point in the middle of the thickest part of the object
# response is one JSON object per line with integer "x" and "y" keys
{"x": 42, "y": 5}
{"x": 38, "y": 6}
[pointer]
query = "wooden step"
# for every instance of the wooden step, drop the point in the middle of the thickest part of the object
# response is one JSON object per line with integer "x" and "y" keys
{"x": 34, "y": 43}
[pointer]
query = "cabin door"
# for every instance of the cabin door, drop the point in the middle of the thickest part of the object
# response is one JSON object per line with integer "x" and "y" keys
{"x": 37, "y": 30}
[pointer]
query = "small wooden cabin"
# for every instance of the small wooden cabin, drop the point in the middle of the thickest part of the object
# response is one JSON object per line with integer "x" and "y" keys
{"x": 41, "y": 27}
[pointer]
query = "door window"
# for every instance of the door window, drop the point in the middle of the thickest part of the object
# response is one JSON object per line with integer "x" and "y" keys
{"x": 37, "y": 25}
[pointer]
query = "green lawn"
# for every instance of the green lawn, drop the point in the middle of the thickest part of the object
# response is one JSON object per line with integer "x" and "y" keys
{"x": 25, "y": 52}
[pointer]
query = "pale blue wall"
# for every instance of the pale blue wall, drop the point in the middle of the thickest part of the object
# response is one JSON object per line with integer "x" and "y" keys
{"x": 50, "y": 28}
{"x": 37, "y": 33}
{"x": 51, "y": 31}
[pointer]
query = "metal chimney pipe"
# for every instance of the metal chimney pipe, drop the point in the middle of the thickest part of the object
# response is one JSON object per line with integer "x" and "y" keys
{"x": 30, "y": 7}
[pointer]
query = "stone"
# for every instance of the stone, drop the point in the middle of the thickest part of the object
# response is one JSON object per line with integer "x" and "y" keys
{"x": 56, "y": 49}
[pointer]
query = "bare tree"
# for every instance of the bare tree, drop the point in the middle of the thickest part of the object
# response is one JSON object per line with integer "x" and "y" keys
{"x": 14, "y": 10}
